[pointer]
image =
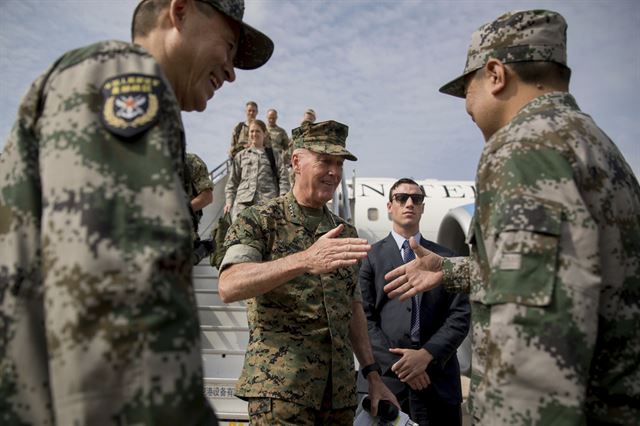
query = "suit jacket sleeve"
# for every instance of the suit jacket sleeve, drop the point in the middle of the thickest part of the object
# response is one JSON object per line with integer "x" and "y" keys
{"x": 444, "y": 342}
{"x": 379, "y": 342}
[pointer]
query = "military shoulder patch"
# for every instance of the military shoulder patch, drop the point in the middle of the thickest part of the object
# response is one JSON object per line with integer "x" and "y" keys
{"x": 131, "y": 103}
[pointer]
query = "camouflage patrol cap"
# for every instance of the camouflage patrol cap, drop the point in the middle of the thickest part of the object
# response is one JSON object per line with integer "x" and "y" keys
{"x": 326, "y": 137}
{"x": 532, "y": 35}
{"x": 255, "y": 48}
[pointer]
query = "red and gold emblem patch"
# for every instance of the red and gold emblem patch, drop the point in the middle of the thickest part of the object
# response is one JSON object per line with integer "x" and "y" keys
{"x": 131, "y": 103}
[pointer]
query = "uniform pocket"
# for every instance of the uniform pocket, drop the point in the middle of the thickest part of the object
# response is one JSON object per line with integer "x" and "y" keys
{"x": 524, "y": 265}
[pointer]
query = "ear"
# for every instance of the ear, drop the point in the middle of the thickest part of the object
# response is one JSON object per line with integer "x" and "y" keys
{"x": 389, "y": 206}
{"x": 295, "y": 162}
{"x": 178, "y": 12}
{"x": 496, "y": 76}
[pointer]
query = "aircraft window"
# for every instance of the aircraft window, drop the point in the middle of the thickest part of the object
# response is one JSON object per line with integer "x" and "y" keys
{"x": 372, "y": 214}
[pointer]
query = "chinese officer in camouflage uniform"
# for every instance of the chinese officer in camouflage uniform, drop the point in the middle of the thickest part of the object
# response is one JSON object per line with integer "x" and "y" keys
{"x": 296, "y": 264}
{"x": 98, "y": 321}
{"x": 554, "y": 274}
{"x": 278, "y": 136}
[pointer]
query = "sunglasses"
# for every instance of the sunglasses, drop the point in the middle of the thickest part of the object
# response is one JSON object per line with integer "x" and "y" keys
{"x": 402, "y": 198}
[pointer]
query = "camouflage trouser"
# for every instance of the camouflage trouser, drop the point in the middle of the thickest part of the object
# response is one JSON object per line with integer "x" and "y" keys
{"x": 277, "y": 412}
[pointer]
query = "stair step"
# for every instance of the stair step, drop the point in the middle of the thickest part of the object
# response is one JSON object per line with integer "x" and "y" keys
{"x": 221, "y": 392}
{"x": 234, "y": 338}
{"x": 211, "y": 297}
{"x": 223, "y": 316}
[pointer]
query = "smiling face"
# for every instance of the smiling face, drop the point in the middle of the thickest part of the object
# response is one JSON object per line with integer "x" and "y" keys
{"x": 317, "y": 177}
{"x": 200, "y": 53}
{"x": 256, "y": 135}
{"x": 405, "y": 216}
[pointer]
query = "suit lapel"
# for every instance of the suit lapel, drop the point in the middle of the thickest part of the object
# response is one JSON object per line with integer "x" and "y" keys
{"x": 391, "y": 252}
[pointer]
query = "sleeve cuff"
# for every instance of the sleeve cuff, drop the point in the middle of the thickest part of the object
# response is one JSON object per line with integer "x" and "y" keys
{"x": 455, "y": 274}
{"x": 240, "y": 253}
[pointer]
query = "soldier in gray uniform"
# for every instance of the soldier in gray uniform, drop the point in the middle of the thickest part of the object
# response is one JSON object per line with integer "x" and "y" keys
{"x": 257, "y": 174}
{"x": 554, "y": 274}
{"x": 98, "y": 322}
{"x": 296, "y": 264}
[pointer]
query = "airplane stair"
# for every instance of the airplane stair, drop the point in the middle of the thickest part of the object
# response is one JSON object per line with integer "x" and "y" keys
{"x": 224, "y": 330}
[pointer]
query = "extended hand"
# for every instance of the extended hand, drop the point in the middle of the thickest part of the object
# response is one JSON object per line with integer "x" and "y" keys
{"x": 413, "y": 363}
{"x": 421, "y": 274}
{"x": 330, "y": 253}
{"x": 227, "y": 208}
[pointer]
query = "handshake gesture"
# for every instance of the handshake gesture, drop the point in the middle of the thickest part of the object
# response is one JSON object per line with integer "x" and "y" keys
{"x": 421, "y": 274}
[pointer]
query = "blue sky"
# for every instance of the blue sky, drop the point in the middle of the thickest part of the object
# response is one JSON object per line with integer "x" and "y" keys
{"x": 373, "y": 65}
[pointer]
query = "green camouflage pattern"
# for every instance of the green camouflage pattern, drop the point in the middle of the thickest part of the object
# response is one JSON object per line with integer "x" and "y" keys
{"x": 554, "y": 274}
{"x": 251, "y": 179}
{"x": 199, "y": 175}
{"x": 532, "y": 35}
{"x": 299, "y": 331}
{"x": 270, "y": 412}
{"x": 198, "y": 180}
{"x": 98, "y": 320}
{"x": 254, "y": 48}
{"x": 280, "y": 143}
{"x": 326, "y": 137}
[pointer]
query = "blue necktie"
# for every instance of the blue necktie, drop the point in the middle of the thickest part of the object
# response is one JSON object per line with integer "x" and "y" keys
{"x": 408, "y": 255}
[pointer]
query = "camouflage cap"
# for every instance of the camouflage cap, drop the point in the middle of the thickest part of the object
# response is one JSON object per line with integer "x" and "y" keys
{"x": 255, "y": 48}
{"x": 532, "y": 35}
{"x": 326, "y": 137}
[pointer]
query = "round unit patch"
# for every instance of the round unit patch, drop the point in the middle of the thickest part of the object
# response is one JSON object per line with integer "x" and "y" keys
{"x": 131, "y": 103}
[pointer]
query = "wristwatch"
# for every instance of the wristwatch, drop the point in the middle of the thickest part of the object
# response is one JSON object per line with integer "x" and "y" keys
{"x": 369, "y": 368}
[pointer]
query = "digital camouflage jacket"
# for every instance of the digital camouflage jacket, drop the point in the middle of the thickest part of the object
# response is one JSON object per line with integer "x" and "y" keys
{"x": 98, "y": 321}
{"x": 299, "y": 331}
{"x": 554, "y": 274}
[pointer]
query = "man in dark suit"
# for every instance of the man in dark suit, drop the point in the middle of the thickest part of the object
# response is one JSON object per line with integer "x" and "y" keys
{"x": 414, "y": 341}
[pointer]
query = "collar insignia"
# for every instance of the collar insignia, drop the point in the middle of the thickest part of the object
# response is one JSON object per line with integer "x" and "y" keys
{"x": 131, "y": 103}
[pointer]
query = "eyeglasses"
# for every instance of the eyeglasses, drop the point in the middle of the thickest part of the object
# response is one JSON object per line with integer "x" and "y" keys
{"x": 402, "y": 198}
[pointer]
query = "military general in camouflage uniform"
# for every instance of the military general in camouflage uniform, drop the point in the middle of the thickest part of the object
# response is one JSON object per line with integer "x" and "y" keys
{"x": 296, "y": 264}
{"x": 98, "y": 322}
{"x": 554, "y": 274}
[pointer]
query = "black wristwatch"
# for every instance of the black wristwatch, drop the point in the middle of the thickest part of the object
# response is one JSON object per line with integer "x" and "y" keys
{"x": 369, "y": 368}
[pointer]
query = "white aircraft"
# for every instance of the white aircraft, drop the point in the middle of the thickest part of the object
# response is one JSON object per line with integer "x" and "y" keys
{"x": 446, "y": 220}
